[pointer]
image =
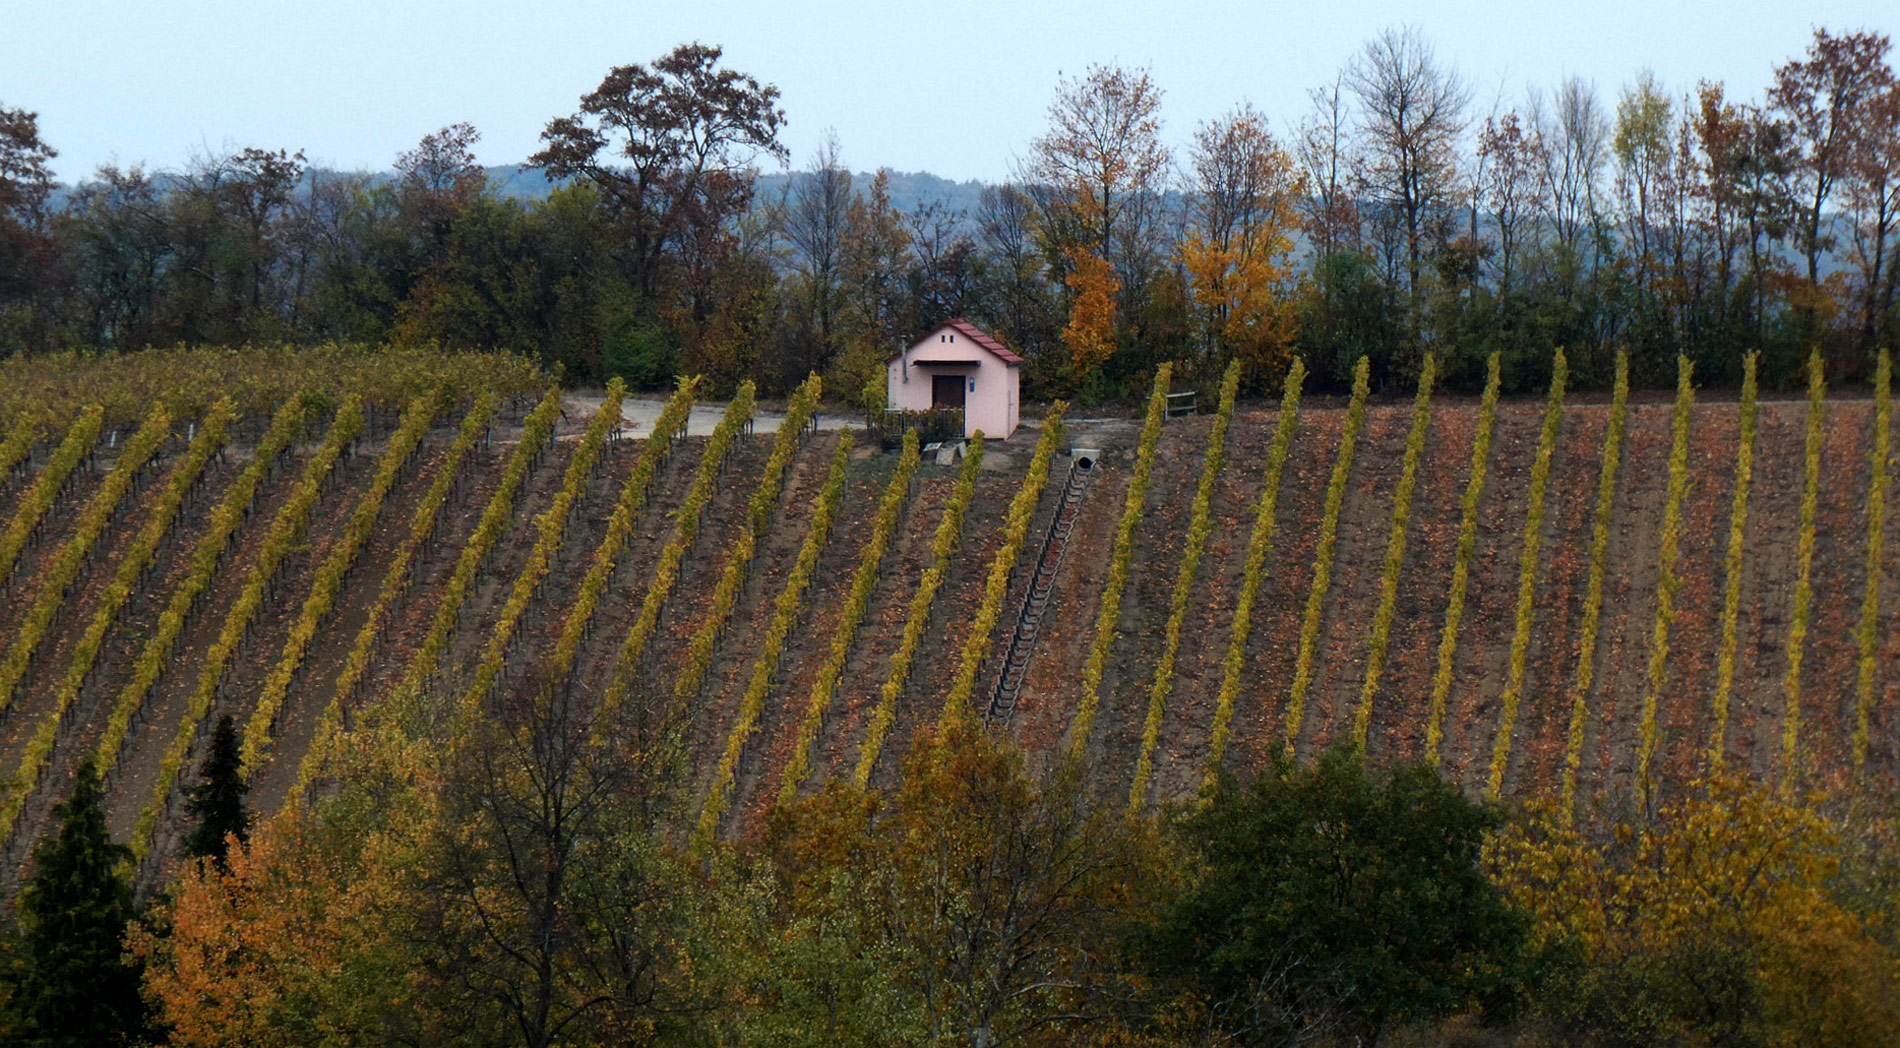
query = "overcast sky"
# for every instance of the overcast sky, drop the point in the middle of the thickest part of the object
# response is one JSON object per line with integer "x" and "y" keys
{"x": 956, "y": 89}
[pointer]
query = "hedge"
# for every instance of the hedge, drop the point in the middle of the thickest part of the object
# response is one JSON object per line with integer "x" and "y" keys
{"x": 1591, "y": 625}
{"x": 1259, "y": 544}
{"x": 1323, "y": 555}
{"x": 1461, "y": 562}
{"x": 1527, "y": 575}
{"x": 825, "y": 685}
{"x": 1124, "y": 551}
{"x": 1380, "y": 637}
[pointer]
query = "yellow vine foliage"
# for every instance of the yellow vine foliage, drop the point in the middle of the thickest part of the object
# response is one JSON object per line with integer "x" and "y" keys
{"x": 1588, "y": 630}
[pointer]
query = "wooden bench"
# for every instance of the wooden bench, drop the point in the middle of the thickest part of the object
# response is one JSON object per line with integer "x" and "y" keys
{"x": 1180, "y": 404}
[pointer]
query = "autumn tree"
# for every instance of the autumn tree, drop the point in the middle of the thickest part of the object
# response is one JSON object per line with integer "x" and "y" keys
{"x": 1641, "y": 146}
{"x": 873, "y": 262}
{"x": 1824, "y": 98}
{"x": 73, "y": 988}
{"x": 1511, "y": 190}
{"x": 26, "y": 246}
{"x": 1725, "y": 918}
{"x": 1090, "y": 333}
{"x": 1873, "y": 208}
{"x": 668, "y": 147}
{"x": 1238, "y": 244}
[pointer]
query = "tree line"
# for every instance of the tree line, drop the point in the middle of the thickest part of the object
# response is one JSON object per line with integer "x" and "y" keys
{"x": 1398, "y": 217}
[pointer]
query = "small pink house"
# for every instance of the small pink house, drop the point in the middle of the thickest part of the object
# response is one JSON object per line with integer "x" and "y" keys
{"x": 958, "y": 365}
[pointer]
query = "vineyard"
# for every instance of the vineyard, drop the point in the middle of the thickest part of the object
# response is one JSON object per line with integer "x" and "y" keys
{"x": 1593, "y": 599}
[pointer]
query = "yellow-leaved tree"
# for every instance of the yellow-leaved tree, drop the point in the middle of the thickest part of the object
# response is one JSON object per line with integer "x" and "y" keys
{"x": 1090, "y": 333}
{"x": 1237, "y": 249}
{"x": 1725, "y": 918}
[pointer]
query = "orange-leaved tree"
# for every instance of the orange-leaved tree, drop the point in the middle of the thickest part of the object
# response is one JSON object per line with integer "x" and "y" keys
{"x": 1090, "y": 333}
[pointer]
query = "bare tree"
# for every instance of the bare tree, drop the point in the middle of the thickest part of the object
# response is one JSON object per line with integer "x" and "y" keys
{"x": 1324, "y": 148}
{"x": 1575, "y": 134}
{"x": 1510, "y": 187}
{"x": 1411, "y": 113}
{"x": 815, "y": 223}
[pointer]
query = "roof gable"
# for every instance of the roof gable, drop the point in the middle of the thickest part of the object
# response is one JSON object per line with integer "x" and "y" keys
{"x": 975, "y": 334}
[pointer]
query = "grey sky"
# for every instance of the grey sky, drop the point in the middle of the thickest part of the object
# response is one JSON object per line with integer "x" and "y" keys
{"x": 955, "y": 89}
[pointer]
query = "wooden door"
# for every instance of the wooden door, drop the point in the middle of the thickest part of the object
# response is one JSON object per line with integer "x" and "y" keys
{"x": 946, "y": 391}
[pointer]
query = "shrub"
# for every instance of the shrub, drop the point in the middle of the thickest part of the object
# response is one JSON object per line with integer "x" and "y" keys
{"x": 1591, "y": 624}
{"x": 1527, "y": 575}
{"x": 1461, "y": 561}
{"x": 1381, "y": 633}
{"x": 1259, "y": 544}
{"x": 1323, "y": 556}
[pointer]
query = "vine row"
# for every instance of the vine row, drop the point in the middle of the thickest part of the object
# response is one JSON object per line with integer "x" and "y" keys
{"x": 1323, "y": 556}
{"x": 1199, "y": 525}
{"x": 1124, "y": 551}
{"x": 1804, "y": 554}
{"x": 46, "y": 490}
{"x": 825, "y": 685}
{"x": 1380, "y": 637}
{"x": 1592, "y": 623}
{"x": 1527, "y": 575}
{"x": 1461, "y": 562}
{"x": 1876, "y": 527}
{"x": 1657, "y": 672}
{"x": 791, "y": 600}
{"x": 1259, "y": 544}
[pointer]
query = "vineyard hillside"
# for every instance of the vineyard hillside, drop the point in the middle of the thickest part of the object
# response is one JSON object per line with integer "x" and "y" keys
{"x": 485, "y": 550}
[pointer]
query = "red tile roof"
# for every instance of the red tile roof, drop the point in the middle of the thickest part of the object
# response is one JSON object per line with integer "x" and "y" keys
{"x": 976, "y": 335}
